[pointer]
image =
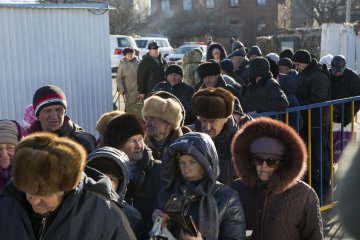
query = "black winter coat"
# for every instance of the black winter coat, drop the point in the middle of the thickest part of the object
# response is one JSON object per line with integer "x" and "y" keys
{"x": 71, "y": 130}
{"x": 143, "y": 190}
{"x": 184, "y": 93}
{"x": 221, "y": 83}
{"x": 347, "y": 85}
{"x": 264, "y": 96}
{"x": 314, "y": 88}
{"x": 85, "y": 213}
{"x": 150, "y": 73}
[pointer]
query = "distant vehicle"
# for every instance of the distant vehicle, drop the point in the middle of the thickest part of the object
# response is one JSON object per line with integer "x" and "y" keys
{"x": 117, "y": 44}
{"x": 143, "y": 42}
{"x": 178, "y": 54}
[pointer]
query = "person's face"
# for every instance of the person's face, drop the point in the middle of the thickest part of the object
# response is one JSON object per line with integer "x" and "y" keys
{"x": 211, "y": 80}
{"x": 129, "y": 56}
{"x": 190, "y": 169}
{"x": 212, "y": 127}
{"x": 174, "y": 78}
{"x": 216, "y": 54}
{"x": 157, "y": 128}
{"x": 253, "y": 56}
{"x": 284, "y": 69}
{"x": 237, "y": 61}
{"x": 44, "y": 205}
{"x": 265, "y": 165}
{"x": 114, "y": 181}
{"x": 300, "y": 66}
{"x": 154, "y": 52}
{"x": 6, "y": 153}
{"x": 134, "y": 147}
{"x": 52, "y": 117}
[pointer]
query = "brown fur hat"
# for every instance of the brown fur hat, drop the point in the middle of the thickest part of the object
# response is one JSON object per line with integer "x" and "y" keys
{"x": 44, "y": 164}
{"x": 105, "y": 119}
{"x": 292, "y": 167}
{"x": 121, "y": 128}
{"x": 213, "y": 103}
{"x": 168, "y": 110}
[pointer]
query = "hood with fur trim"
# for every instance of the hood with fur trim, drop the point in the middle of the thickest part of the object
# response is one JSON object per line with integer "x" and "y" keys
{"x": 293, "y": 166}
{"x": 212, "y": 47}
{"x": 119, "y": 158}
{"x": 198, "y": 145}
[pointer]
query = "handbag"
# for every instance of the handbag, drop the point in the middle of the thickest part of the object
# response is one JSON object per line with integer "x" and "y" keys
{"x": 115, "y": 107}
{"x": 177, "y": 208}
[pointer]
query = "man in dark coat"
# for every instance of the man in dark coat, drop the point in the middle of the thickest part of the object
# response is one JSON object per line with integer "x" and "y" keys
{"x": 50, "y": 197}
{"x": 181, "y": 90}
{"x": 263, "y": 92}
{"x": 344, "y": 83}
{"x": 126, "y": 133}
{"x": 151, "y": 70}
{"x": 241, "y": 62}
{"x": 50, "y": 104}
{"x": 214, "y": 107}
{"x": 315, "y": 88}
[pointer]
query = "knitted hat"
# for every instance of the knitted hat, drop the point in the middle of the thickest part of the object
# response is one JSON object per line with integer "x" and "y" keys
{"x": 213, "y": 103}
{"x": 105, "y": 119}
{"x": 47, "y": 96}
{"x": 208, "y": 69}
{"x": 227, "y": 65}
{"x": 285, "y": 62}
{"x": 166, "y": 109}
{"x": 45, "y": 164}
{"x": 258, "y": 66}
{"x": 9, "y": 132}
{"x": 174, "y": 69}
{"x": 121, "y": 128}
{"x": 241, "y": 52}
{"x": 287, "y": 53}
{"x": 302, "y": 56}
{"x": 128, "y": 50}
{"x": 254, "y": 50}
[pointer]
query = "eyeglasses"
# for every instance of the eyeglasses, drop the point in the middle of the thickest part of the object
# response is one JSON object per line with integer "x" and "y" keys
{"x": 7, "y": 148}
{"x": 270, "y": 162}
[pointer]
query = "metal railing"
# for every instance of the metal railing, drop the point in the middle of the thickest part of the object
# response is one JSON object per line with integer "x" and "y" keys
{"x": 327, "y": 201}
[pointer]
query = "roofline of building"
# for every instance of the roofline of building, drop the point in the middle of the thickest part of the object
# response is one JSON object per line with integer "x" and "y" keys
{"x": 85, "y": 5}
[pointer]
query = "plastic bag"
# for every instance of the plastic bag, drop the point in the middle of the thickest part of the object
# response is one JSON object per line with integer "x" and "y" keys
{"x": 158, "y": 233}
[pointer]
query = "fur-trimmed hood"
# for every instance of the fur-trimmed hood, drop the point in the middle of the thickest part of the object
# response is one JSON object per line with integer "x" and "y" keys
{"x": 289, "y": 172}
{"x": 212, "y": 47}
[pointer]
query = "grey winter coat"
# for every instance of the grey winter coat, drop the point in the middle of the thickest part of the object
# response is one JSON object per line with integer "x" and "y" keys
{"x": 85, "y": 213}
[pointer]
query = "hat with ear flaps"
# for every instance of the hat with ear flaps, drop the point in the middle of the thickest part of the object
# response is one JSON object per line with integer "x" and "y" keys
{"x": 213, "y": 103}
{"x": 44, "y": 164}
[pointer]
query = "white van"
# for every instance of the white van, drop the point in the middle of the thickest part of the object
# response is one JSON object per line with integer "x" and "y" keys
{"x": 143, "y": 42}
{"x": 117, "y": 44}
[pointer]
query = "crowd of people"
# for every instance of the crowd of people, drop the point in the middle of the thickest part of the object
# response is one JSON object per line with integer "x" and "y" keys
{"x": 186, "y": 150}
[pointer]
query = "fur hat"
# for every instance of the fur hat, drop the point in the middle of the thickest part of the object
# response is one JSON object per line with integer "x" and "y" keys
{"x": 103, "y": 121}
{"x": 121, "y": 128}
{"x": 213, "y": 103}
{"x": 208, "y": 69}
{"x": 166, "y": 109}
{"x": 45, "y": 164}
{"x": 174, "y": 69}
{"x": 47, "y": 96}
{"x": 227, "y": 65}
{"x": 285, "y": 175}
{"x": 9, "y": 132}
{"x": 128, "y": 50}
{"x": 258, "y": 66}
{"x": 302, "y": 56}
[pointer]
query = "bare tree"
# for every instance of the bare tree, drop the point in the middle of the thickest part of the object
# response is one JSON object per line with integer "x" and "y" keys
{"x": 322, "y": 11}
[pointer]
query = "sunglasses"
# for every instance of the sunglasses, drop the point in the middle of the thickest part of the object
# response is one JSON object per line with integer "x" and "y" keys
{"x": 270, "y": 162}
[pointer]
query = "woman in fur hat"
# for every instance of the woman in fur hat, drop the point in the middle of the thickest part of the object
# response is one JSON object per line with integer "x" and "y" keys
{"x": 190, "y": 168}
{"x": 10, "y": 134}
{"x": 270, "y": 159}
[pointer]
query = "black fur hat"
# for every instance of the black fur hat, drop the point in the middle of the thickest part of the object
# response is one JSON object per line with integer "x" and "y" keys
{"x": 208, "y": 69}
{"x": 121, "y": 128}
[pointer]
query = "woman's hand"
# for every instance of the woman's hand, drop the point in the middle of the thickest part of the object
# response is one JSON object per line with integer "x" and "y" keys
{"x": 185, "y": 236}
{"x": 164, "y": 216}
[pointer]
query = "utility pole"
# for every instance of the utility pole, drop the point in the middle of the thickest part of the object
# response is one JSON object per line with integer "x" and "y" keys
{"x": 348, "y": 7}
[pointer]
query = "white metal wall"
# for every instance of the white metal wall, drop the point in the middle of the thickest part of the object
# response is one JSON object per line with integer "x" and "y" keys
{"x": 68, "y": 47}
